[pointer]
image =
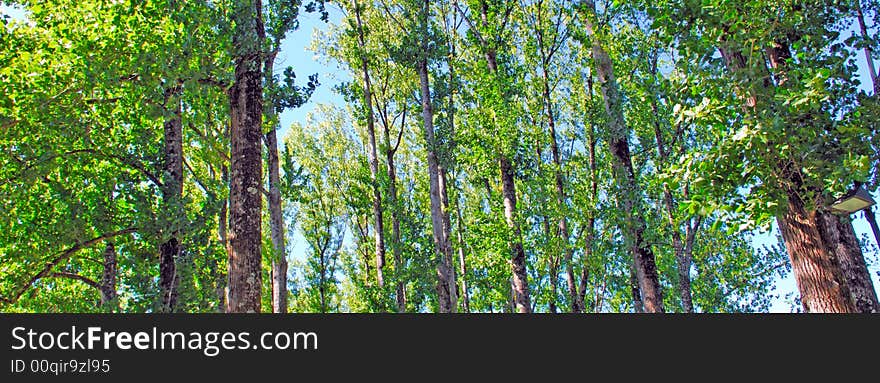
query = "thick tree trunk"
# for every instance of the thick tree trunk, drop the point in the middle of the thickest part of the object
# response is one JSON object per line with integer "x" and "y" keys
{"x": 628, "y": 191}
{"x": 822, "y": 285}
{"x": 245, "y": 183}
{"x": 379, "y": 232}
{"x": 172, "y": 191}
{"x": 846, "y": 262}
{"x": 841, "y": 241}
{"x": 445, "y": 290}
{"x": 108, "y": 279}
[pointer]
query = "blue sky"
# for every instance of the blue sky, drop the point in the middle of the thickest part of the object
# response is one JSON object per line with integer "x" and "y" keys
{"x": 295, "y": 53}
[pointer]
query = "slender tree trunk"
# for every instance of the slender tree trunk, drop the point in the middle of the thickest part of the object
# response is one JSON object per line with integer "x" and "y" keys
{"x": 449, "y": 257}
{"x": 683, "y": 262}
{"x": 628, "y": 193}
{"x": 223, "y": 222}
{"x": 638, "y": 303}
{"x": 445, "y": 291}
{"x": 520, "y": 277}
{"x": 276, "y": 209}
{"x": 379, "y": 233}
{"x": 462, "y": 264}
{"x": 563, "y": 232}
{"x": 400, "y": 290}
{"x": 519, "y": 283}
{"x": 553, "y": 267}
{"x": 246, "y": 168}
{"x": 567, "y": 250}
{"x": 869, "y": 54}
{"x": 872, "y": 220}
{"x": 594, "y": 193}
{"x": 172, "y": 192}
{"x": 276, "y": 225}
{"x": 108, "y": 279}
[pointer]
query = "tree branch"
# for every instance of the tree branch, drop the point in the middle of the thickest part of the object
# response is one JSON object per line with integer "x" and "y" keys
{"x": 61, "y": 257}
{"x": 78, "y": 277}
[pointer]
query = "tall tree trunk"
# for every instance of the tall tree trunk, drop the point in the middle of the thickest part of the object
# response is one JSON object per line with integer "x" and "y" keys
{"x": 628, "y": 190}
{"x": 818, "y": 275}
{"x": 838, "y": 236}
{"x": 638, "y": 303}
{"x": 445, "y": 291}
{"x": 683, "y": 262}
{"x": 553, "y": 267}
{"x": 108, "y": 279}
{"x": 841, "y": 241}
{"x": 379, "y": 233}
{"x": 563, "y": 233}
{"x": 222, "y": 224}
{"x": 276, "y": 225}
{"x": 276, "y": 210}
{"x": 594, "y": 194}
{"x": 451, "y": 86}
{"x": 872, "y": 220}
{"x": 396, "y": 248}
{"x": 860, "y": 17}
{"x": 172, "y": 191}
{"x": 462, "y": 264}
{"x": 520, "y": 277}
{"x": 447, "y": 234}
{"x": 519, "y": 283}
{"x": 245, "y": 183}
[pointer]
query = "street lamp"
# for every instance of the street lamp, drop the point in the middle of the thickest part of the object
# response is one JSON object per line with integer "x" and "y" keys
{"x": 856, "y": 200}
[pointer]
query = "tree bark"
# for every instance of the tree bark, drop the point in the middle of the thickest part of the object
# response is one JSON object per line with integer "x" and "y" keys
{"x": 847, "y": 264}
{"x": 628, "y": 190}
{"x": 108, "y": 279}
{"x": 245, "y": 183}
{"x": 822, "y": 286}
{"x": 276, "y": 209}
{"x": 172, "y": 193}
{"x": 520, "y": 277}
{"x": 842, "y": 243}
{"x": 379, "y": 233}
{"x": 276, "y": 225}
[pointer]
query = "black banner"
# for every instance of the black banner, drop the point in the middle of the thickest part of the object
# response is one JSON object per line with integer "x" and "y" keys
{"x": 378, "y": 347}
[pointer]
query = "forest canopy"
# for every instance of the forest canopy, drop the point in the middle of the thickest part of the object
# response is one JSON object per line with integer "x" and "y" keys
{"x": 478, "y": 156}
